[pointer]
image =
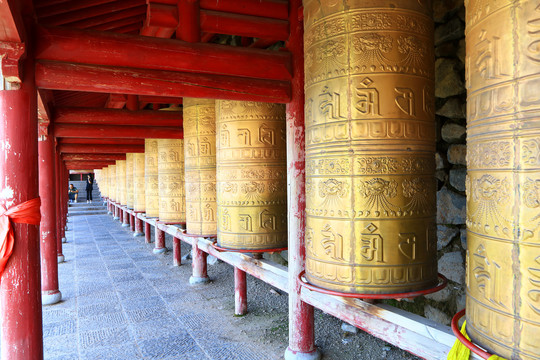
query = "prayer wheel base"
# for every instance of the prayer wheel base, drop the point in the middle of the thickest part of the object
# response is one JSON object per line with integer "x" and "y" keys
{"x": 125, "y": 225}
{"x": 274, "y": 250}
{"x": 137, "y": 234}
{"x": 441, "y": 284}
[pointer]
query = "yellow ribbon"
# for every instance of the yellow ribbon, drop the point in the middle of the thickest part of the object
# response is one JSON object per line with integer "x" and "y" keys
{"x": 460, "y": 351}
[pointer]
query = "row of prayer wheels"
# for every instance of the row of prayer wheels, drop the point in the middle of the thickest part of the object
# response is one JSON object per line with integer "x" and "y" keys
{"x": 239, "y": 179}
{"x": 370, "y": 145}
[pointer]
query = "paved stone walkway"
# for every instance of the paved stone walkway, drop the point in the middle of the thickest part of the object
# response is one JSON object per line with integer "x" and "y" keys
{"x": 122, "y": 302}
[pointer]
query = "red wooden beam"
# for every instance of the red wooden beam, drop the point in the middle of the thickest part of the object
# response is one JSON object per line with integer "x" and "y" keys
{"x": 68, "y": 7}
{"x": 105, "y": 48}
{"x": 115, "y": 24}
{"x": 100, "y": 10}
{"x": 277, "y": 9}
{"x": 160, "y": 99}
{"x": 132, "y": 29}
{"x": 99, "y": 149}
{"x": 166, "y": 16}
{"x": 116, "y": 131}
{"x": 97, "y": 141}
{"x": 11, "y": 23}
{"x": 79, "y": 165}
{"x": 99, "y": 20}
{"x": 76, "y": 115}
{"x": 62, "y": 76}
{"x": 116, "y": 101}
{"x": 188, "y": 13}
{"x": 93, "y": 157}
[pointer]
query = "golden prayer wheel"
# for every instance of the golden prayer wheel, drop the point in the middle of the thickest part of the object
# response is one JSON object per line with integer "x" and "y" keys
{"x": 138, "y": 182}
{"x": 129, "y": 180}
{"x": 103, "y": 182}
{"x": 370, "y": 146}
{"x": 111, "y": 182}
{"x": 172, "y": 198}
{"x": 121, "y": 182}
{"x": 200, "y": 163}
{"x": 251, "y": 175}
{"x": 98, "y": 179}
{"x": 151, "y": 187}
{"x": 503, "y": 183}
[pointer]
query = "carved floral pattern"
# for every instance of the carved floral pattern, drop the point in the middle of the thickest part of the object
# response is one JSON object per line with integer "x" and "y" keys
{"x": 377, "y": 191}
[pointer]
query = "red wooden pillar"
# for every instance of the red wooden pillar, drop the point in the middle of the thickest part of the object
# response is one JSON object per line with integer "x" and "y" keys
{"x": 138, "y": 227}
{"x": 240, "y": 292}
{"x": 47, "y": 186}
{"x": 301, "y": 322}
{"x": 60, "y": 215}
{"x": 177, "y": 252}
{"x": 147, "y": 233}
{"x": 159, "y": 247}
{"x": 132, "y": 222}
{"x": 65, "y": 183}
{"x": 20, "y": 286}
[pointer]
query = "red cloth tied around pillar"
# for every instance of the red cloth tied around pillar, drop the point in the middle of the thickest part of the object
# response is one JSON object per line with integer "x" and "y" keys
{"x": 25, "y": 213}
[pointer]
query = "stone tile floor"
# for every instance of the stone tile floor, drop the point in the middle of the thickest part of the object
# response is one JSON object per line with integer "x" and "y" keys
{"x": 122, "y": 302}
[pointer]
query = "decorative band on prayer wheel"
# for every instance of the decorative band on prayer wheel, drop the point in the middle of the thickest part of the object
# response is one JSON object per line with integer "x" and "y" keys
{"x": 129, "y": 180}
{"x": 138, "y": 182}
{"x": 200, "y": 163}
{"x": 111, "y": 182}
{"x": 503, "y": 182}
{"x": 370, "y": 146}
{"x": 121, "y": 181}
{"x": 151, "y": 185}
{"x": 251, "y": 175}
{"x": 172, "y": 198}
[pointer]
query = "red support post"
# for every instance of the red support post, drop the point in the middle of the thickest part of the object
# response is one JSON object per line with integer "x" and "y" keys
{"x": 65, "y": 202}
{"x": 125, "y": 218}
{"x": 132, "y": 223}
{"x": 60, "y": 208}
{"x": 138, "y": 227}
{"x": 147, "y": 233}
{"x": 159, "y": 247}
{"x": 50, "y": 293}
{"x": 240, "y": 292}
{"x": 21, "y": 333}
{"x": 301, "y": 315}
{"x": 177, "y": 252}
{"x": 199, "y": 265}
{"x": 116, "y": 212}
